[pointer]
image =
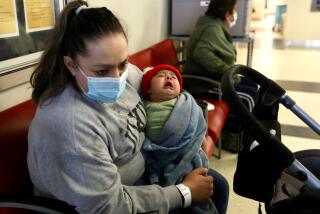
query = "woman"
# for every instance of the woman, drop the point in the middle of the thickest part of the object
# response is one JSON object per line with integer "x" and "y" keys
{"x": 210, "y": 51}
{"x": 85, "y": 139}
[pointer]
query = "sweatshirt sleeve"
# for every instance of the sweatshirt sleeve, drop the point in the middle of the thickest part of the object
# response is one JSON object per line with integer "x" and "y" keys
{"x": 73, "y": 163}
{"x": 206, "y": 50}
{"x": 94, "y": 186}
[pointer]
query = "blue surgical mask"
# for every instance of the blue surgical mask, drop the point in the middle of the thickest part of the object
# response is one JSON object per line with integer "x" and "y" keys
{"x": 234, "y": 22}
{"x": 106, "y": 89}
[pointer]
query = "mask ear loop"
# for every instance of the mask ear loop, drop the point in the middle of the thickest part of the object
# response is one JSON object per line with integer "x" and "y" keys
{"x": 81, "y": 71}
{"x": 85, "y": 76}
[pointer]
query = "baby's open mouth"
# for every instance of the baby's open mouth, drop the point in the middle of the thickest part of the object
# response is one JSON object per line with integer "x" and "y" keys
{"x": 168, "y": 85}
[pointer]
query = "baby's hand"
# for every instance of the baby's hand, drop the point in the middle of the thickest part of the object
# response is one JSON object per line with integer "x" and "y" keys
{"x": 200, "y": 185}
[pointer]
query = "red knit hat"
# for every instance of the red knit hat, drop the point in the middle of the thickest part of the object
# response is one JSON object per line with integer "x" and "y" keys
{"x": 147, "y": 77}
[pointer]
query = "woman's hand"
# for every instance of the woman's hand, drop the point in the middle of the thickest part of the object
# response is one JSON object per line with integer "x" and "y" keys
{"x": 200, "y": 185}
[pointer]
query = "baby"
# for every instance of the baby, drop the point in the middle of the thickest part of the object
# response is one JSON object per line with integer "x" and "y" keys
{"x": 175, "y": 130}
{"x": 161, "y": 87}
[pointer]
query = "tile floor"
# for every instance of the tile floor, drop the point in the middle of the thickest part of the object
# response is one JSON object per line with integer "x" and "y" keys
{"x": 293, "y": 67}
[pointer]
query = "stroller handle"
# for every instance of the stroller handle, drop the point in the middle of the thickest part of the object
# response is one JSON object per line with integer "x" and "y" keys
{"x": 255, "y": 128}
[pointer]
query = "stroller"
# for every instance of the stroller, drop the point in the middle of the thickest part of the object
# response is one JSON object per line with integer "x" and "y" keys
{"x": 267, "y": 171}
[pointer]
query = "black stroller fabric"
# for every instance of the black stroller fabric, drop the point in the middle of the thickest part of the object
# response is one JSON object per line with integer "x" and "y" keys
{"x": 307, "y": 202}
{"x": 258, "y": 170}
{"x": 292, "y": 195}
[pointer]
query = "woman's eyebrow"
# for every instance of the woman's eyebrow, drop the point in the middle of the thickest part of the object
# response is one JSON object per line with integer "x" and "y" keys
{"x": 109, "y": 65}
{"x": 102, "y": 65}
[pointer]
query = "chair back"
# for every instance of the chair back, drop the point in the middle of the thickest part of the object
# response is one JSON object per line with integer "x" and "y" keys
{"x": 165, "y": 53}
{"x": 143, "y": 58}
{"x": 14, "y": 176}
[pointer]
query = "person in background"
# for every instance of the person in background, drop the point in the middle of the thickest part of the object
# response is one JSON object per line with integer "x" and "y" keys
{"x": 84, "y": 143}
{"x": 172, "y": 150}
{"x": 280, "y": 10}
{"x": 210, "y": 51}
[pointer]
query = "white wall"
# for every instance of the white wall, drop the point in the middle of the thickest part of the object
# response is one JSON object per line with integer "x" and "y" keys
{"x": 258, "y": 6}
{"x": 300, "y": 23}
{"x": 146, "y": 22}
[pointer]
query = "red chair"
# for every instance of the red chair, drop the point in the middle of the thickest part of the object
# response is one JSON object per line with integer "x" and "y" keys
{"x": 16, "y": 190}
{"x": 143, "y": 58}
{"x": 14, "y": 127}
{"x": 165, "y": 53}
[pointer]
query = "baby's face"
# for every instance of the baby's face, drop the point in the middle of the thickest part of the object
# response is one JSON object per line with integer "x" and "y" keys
{"x": 164, "y": 86}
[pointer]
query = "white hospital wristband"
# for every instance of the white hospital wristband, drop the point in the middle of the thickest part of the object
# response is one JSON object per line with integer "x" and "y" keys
{"x": 186, "y": 195}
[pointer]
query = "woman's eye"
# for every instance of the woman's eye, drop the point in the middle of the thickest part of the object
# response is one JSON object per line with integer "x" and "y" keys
{"x": 123, "y": 65}
{"x": 102, "y": 72}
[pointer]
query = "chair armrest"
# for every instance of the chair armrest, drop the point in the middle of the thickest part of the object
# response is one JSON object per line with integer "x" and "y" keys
{"x": 208, "y": 146}
{"x": 36, "y": 203}
{"x": 213, "y": 83}
{"x": 209, "y": 88}
{"x": 217, "y": 118}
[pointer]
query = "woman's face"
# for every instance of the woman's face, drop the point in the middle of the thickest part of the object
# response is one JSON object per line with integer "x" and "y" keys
{"x": 231, "y": 17}
{"x": 164, "y": 86}
{"x": 105, "y": 57}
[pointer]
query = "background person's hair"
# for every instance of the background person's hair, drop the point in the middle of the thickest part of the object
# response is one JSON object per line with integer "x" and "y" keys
{"x": 219, "y": 8}
{"x": 68, "y": 38}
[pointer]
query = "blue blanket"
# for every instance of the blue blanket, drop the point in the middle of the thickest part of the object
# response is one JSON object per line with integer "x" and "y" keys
{"x": 178, "y": 149}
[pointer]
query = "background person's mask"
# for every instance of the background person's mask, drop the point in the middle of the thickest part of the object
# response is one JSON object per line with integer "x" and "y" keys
{"x": 235, "y": 17}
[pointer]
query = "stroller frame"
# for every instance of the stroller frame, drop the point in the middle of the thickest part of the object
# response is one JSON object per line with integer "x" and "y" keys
{"x": 312, "y": 181}
{"x": 273, "y": 94}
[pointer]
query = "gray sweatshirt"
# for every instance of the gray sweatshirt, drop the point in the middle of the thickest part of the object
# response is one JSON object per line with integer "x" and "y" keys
{"x": 88, "y": 153}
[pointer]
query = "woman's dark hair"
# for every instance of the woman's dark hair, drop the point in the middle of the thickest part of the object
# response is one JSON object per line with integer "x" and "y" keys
{"x": 68, "y": 38}
{"x": 219, "y": 8}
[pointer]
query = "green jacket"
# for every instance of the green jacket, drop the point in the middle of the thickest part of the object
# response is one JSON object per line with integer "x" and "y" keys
{"x": 210, "y": 51}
